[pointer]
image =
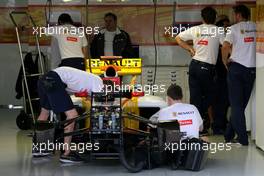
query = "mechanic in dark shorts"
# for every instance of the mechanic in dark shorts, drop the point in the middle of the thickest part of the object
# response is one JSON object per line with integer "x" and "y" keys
{"x": 54, "y": 89}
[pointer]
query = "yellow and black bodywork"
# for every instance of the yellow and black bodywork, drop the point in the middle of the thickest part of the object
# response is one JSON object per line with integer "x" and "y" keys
{"x": 125, "y": 66}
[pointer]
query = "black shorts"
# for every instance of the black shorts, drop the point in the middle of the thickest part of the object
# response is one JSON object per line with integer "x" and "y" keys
{"x": 75, "y": 62}
{"x": 52, "y": 93}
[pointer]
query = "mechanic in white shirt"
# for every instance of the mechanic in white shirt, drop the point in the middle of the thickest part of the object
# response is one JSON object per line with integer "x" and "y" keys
{"x": 187, "y": 115}
{"x": 54, "y": 89}
{"x": 206, "y": 39}
{"x": 72, "y": 42}
{"x": 241, "y": 70}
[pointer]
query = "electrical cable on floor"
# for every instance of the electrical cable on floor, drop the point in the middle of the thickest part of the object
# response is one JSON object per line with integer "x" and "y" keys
{"x": 154, "y": 41}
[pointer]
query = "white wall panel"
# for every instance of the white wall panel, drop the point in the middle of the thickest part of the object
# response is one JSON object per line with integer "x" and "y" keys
{"x": 167, "y": 55}
{"x": 260, "y": 103}
{"x": 163, "y": 77}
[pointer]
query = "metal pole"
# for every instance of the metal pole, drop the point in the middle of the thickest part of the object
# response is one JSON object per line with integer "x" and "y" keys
{"x": 24, "y": 97}
{"x": 37, "y": 43}
{"x": 24, "y": 74}
{"x": 40, "y": 56}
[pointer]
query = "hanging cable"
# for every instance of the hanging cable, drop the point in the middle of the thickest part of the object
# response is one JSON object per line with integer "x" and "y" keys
{"x": 48, "y": 11}
{"x": 87, "y": 23}
{"x": 174, "y": 14}
{"x": 154, "y": 42}
{"x": 86, "y": 12}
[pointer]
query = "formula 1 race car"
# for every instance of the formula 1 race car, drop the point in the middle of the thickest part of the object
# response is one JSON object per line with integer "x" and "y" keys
{"x": 117, "y": 122}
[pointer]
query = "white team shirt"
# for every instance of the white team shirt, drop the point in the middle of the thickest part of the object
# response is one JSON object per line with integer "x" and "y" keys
{"x": 78, "y": 80}
{"x": 187, "y": 115}
{"x": 243, "y": 41}
{"x": 71, "y": 42}
{"x": 108, "y": 44}
{"x": 206, "y": 39}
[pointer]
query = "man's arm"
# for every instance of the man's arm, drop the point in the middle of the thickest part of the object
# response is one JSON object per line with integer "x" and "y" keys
{"x": 201, "y": 128}
{"x": 154, "y": 118}
{"x": 199, "y": 119}
{"x": 85, "y": 49}
{"x": 128, "y": 51}
{"x": 185, "y": 45}
{"x": 85, "y": 52}
{"x": 85, "y": 55}
{"x": 226, "y": 48}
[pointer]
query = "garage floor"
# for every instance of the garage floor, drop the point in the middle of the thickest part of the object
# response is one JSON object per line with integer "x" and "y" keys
{"x": 15, "y": 159}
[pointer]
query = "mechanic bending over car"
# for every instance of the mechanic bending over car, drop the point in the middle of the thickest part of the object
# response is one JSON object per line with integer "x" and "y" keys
{"x": 54, "y": 89}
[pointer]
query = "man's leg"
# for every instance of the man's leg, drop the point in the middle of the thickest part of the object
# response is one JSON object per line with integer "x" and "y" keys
{"x": 195, "y": 88}
{"x": 208, "y": 91}
{"x": 44, "y": 114}
{"x": 220, "y": 107}
{"x": 60, "y": 101}
{"x": 44, "y": 102}
{"x": 248, "y": 83}
{"x": 230, "y": 132}
{"x": 71, "y": 114}
{"x": 249, "y": 79}
{"x": 210, "y": 116}
{"x": 236, "y": 96}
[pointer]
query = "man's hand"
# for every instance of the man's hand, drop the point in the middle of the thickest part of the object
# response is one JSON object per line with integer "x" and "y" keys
{"x": 192, "y": 51}
{"x": 185, "y": 45}
{"x": 226, "y": 49}
{"x": 226, "y": 63}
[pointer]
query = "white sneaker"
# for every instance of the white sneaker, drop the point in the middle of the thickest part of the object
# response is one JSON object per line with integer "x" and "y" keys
{"x": 235, "y": 144}
{"x": 41, "y": 154}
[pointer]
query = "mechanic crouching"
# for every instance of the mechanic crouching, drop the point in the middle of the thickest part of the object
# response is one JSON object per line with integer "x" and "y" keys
{"x": 190, "y": 123}
{"x": 187, "y": 115}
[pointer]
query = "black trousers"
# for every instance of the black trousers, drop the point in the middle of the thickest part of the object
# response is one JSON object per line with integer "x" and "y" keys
{"x": 220, "y": 106}
{"x": 75, "y": 62}
{"x": 240, "y": 83}
{"x": 202, "y": 88}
